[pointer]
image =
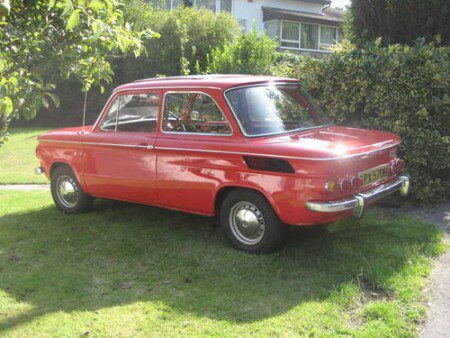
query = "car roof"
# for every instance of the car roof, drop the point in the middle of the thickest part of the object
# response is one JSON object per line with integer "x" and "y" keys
{"x": 216, "y": 81}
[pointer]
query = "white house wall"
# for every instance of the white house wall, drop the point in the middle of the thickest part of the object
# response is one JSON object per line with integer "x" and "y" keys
{"x": 253, "y": 14}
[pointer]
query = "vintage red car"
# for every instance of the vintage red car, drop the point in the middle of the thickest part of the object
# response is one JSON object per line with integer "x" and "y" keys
{"x": 253, "y": 151}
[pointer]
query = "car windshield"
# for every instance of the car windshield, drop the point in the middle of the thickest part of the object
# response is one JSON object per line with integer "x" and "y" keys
{"x": 274, "y": 109}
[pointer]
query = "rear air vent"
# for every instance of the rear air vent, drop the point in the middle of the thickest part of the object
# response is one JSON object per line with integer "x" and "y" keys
{"x": 269, "y": 164}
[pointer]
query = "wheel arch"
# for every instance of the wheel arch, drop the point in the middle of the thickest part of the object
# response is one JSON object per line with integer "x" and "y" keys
{"x": 59, "y": 163}
{"x": 223, "y": 191}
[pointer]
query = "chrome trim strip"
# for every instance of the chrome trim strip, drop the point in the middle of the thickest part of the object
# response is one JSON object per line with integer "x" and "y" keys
{"x": 189, "y": 133}
{"x": 149, "y": 146}
{"x": 273, "y": 155}
{"x": 359, "y": 201}
{"x": 59, "y": 141}
{"x": 140, "y": 146}
{"x": 227, "y": 152}
{"x": 165, "y": 87}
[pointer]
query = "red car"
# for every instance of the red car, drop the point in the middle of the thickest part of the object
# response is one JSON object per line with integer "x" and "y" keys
{"x": 254, "y": 151}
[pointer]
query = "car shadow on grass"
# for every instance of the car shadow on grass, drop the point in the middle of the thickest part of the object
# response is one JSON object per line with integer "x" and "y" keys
{"x": 123, "y": 253}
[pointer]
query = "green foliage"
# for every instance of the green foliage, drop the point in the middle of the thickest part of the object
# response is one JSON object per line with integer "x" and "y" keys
{"x": 42, "y": 42}
{"x": 252, "y": 53}
{"x": 401, "y": 89}
{"x": 187, "y": 36}
{"x": 400, "y": 21}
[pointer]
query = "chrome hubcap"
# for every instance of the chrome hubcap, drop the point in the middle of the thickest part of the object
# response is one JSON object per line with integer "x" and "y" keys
{"x": 67, "y": 191}
{"x": 247, "y": 223}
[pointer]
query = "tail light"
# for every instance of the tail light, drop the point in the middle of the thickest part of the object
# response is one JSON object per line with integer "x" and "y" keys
{"x": 396, "y": 166}
{"x": 357, "y": 182}
{"x": 330, "y": 186}
{"x": 345, "y": 184}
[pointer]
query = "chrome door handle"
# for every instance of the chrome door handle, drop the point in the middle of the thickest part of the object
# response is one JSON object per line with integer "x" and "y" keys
{"x": 150, "y": 147}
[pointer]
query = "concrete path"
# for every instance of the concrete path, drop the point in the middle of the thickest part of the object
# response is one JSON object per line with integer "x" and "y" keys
{"x": 437, "y": 324}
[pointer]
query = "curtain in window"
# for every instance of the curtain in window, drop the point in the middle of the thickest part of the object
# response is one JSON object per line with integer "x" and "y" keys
{"x": 208, "y": 4}
{"x": 225, "y": 5}
{"x": 272, "y": 29}
{"x": 310, "y": 36}
{"x": 290, "y": 31}
{"x": 327, "y": 35}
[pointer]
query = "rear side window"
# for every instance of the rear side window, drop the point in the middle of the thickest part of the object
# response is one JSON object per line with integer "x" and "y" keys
{"x": 193, "y": 113}
{"x": 133, "y": 113}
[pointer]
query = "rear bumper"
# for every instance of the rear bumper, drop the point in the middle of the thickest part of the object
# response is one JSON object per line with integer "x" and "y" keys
{"x": 359, "y": 201}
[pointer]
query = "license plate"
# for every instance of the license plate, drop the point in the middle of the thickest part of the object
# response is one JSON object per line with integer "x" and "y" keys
{"x": 373, "y": 175}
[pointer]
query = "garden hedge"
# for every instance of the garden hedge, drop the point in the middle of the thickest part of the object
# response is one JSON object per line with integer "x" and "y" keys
{"x": 405, "y": 90}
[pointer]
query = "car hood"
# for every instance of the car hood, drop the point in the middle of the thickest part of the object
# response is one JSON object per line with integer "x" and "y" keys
{"x": 328, "y": 143}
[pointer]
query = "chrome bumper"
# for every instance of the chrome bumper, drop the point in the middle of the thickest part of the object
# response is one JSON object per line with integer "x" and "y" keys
{"x": 359, "y": 201}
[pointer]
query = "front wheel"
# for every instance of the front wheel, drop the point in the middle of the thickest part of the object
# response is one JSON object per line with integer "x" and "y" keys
{"x": 250, "y": 224}
{"x": 67, "y": 192}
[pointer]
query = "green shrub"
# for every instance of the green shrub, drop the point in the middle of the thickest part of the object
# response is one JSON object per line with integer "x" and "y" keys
{"x": 188, "y": 35}
{"x": 252, "y": 53}
{"x": 401, "y": 89}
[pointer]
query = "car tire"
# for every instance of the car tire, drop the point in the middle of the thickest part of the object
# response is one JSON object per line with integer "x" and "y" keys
{"x": 67, "y": 193}
{"x": 250, "y": 224}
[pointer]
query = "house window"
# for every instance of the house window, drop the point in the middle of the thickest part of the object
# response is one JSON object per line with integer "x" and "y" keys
{"x": 176, "y": 3}
{"x": 243, "y": 23}
{"x": 290, "y": 34}
{"x": 272, "y": 29}
{"x": 225, "y": 5}
{"x": 304, "y": 36}
{"x": 328, "y": 36}
{"x": 208, "y": 4}
{"x": 310, "y": 36}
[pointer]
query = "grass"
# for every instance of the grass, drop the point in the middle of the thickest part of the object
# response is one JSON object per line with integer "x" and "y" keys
{"x": 130, "y": 270}
{"x": 17, "y": 157}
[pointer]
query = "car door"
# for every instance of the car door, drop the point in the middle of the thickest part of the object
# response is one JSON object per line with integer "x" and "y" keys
{"x": 189, "y": 169}
{"x": 119, "y": 159}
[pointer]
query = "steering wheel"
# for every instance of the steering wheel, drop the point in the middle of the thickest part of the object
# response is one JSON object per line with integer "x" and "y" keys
{"x": 178, "y": 119}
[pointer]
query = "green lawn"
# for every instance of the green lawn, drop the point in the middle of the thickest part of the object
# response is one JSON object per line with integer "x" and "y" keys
{"x": 17, "y": 158}
{"x": 129, "y": 270}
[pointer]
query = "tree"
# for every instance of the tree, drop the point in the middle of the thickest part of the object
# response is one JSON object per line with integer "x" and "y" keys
{"x": 400, "y": 21}
{"x": 42, "y": 41}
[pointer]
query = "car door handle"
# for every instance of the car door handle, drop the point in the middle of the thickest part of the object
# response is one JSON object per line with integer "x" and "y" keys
{"x": 147, "y": 146}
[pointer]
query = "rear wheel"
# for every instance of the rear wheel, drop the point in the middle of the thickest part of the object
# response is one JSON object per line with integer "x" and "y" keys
{"x": 67, "y": 193}
{"x": 250, "y": 224}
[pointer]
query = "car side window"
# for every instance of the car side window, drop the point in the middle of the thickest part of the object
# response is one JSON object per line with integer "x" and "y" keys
{"x": 133, "y": 113}
{"x": 193, "y": 113}
{"x": 109, "y": 123}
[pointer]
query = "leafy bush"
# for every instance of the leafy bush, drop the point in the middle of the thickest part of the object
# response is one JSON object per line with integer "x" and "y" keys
{"x": 252, "y": 53}
{"x": 188, "y": 35}
{"x": 398, "y": 88}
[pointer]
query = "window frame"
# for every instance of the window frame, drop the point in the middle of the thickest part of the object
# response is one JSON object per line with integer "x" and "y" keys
{"x": 319, "y": 43}
{"x": 115, "y": 96}
{"x": 163, "y": 106}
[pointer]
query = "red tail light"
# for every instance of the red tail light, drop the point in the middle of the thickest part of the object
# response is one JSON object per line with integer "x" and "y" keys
{"x": 396, "y": 166}
{"x": 357, "y": 182}
{"x": 345, "y": 184}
